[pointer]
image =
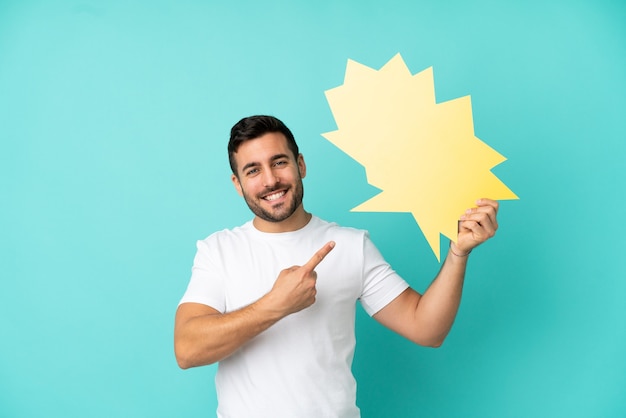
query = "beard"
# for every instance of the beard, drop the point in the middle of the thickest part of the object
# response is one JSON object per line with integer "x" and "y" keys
{"x": 280, "y": 211}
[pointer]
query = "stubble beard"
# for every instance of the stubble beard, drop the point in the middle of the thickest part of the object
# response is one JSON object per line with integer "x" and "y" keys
{"x": 281, "y": 211}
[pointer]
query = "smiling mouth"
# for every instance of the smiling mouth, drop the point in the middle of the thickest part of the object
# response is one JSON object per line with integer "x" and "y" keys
{"x": 274, "y": 196}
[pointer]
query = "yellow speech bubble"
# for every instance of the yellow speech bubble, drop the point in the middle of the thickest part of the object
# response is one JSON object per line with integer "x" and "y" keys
{"x": 423, "y": 155}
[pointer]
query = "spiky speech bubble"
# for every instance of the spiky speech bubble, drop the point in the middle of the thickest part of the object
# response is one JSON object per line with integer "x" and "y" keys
{"x": 423, "y": 155}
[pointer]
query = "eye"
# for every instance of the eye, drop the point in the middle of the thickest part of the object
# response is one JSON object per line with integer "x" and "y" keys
{"x": 252, "y": 171}
{"x": 280, "y": 163}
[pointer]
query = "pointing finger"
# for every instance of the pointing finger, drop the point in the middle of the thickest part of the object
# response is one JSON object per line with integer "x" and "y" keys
{"x": 319, "y": 256}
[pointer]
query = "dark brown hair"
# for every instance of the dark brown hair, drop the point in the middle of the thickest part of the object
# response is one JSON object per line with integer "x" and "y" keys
{"x": 253, "y": 127}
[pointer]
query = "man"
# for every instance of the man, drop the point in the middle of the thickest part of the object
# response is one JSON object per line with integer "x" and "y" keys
{"x": 273, "y": 301}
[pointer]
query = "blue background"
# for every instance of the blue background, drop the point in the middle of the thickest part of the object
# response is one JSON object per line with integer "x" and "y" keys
{"x": 114, "y": 118}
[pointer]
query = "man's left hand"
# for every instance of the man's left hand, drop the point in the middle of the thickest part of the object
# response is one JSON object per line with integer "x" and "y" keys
{"x": 476, "y": 226}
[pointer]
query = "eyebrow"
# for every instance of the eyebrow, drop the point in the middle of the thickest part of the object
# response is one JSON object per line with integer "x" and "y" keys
{"x": 256, "y": 163}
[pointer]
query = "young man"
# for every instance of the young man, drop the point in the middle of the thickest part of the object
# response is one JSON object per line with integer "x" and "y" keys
{"x": 274, "y": 301}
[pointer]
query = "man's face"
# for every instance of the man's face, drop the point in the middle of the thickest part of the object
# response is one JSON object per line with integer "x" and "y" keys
{"x": 269, "y": 177}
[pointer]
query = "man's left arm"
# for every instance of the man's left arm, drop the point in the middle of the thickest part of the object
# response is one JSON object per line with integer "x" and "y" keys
{"x": 426, "y": 319}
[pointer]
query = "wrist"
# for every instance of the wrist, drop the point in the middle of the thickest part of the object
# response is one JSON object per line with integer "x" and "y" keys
{"x": 269, "y": 308}
{"x": 455, "y": 250}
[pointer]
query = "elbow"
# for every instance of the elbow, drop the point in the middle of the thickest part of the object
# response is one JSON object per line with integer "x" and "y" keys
{"x": 182, "y": 359}
{"x": 183, "y": 363}
{"x": 187, "y": 362}
{"x": 436, "y": 341}
{"x": 188, "y": 357}
{"x": 433, "y": 337}
{"x": 435, "y": 344}
{"x": 429, "y": 341}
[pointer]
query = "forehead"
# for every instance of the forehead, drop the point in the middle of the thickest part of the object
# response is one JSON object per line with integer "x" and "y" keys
{"x": 262, "y": 148}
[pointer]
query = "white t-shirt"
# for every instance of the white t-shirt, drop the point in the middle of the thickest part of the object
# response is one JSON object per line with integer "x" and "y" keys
{"x": 301, "y": 366}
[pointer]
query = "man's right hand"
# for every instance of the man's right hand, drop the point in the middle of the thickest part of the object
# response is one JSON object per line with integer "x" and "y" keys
{"x": 294, "y": 288}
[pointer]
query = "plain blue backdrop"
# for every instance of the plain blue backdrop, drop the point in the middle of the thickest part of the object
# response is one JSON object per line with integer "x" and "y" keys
{"x": 114, "y": 117}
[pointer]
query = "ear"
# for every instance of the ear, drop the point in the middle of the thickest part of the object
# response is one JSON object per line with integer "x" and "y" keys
{"x": 237, "y": 184}
{"x": 301, "y": 166}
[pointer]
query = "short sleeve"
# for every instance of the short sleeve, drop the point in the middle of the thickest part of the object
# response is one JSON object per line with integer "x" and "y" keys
{"x": 206, "y": 285}
{"x": 381, "y": 283}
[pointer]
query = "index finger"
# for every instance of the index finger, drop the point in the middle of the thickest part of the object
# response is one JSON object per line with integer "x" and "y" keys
{"x": 319, "y": 256}
{"x": 488, "y": 202}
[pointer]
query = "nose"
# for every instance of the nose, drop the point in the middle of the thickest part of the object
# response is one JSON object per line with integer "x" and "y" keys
{"x": 270, "y": 179}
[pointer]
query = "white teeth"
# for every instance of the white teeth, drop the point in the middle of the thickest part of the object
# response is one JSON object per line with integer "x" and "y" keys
{"x": 274, "y": 196}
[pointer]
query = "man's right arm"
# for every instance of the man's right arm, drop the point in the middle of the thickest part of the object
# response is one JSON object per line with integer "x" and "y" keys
{"x": 203, "y": 335}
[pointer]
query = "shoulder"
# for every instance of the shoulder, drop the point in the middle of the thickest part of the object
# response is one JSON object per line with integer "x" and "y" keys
{"x": 332, "y": 230}
{"x": 226, "y": 237}
{"x": 321, "y": 224}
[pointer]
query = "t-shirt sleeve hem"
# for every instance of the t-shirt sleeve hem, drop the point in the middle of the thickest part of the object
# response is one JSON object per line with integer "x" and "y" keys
{"x": 393, "y": 293}
{"x": 210, "y": 303}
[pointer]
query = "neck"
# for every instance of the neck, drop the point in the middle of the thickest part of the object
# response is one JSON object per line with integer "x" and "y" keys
{"x": 297, "y": 220}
